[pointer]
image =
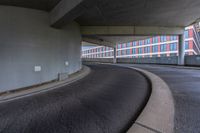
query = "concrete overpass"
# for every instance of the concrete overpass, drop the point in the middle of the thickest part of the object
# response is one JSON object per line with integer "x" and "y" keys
{"x": 53, "y": 30}
{"x": 41, "y": 40}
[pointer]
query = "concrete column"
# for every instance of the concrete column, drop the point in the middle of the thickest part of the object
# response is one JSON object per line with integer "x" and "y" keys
{"x": 181, "y": 50}
{"x": 114, "y": 55}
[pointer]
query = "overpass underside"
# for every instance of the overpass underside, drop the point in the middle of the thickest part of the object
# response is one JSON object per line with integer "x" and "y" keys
{"x": 41, "y": 40}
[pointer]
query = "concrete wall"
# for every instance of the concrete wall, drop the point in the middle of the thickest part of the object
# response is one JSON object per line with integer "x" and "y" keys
{"x": 192, "y": 60}
{"x": 104, "y": 60}
{"x": 27, "y": 40}
{"x": 155, "y": 60}
{"x": 189, "y": 60}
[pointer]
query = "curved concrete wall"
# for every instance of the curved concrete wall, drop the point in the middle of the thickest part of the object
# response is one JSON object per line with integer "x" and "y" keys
{"x": 27, "y": 40}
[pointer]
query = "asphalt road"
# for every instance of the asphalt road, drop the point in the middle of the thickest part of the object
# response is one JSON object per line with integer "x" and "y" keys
{"x": 185, "y": 87}
{"x": 106, "y": 101}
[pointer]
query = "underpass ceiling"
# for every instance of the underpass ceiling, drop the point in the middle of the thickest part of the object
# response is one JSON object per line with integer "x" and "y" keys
{"x": 45, "y": 5}
{"x": 168, "y": 13}
{"x": 141, "y": 13}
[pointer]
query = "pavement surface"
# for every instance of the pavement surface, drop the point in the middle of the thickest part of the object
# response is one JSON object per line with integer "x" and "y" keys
{"x": 185, "y": 86}
{"x": 108, "y": 100}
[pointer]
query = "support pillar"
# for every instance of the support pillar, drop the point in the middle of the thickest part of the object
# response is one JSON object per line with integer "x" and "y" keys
{"x": 114, "y": 55}
{"x": 181, "y": 50}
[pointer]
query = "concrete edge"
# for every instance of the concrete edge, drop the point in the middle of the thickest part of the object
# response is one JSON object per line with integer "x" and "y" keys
{"x": 46, "y": 87}
{"x": 158, "y": 114}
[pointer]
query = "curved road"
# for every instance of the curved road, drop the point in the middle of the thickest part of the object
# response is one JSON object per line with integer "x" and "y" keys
{"x": 106, "y": 101}
{"x": 184, "y": 83}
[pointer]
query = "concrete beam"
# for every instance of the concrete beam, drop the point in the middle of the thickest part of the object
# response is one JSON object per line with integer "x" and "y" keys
{"x": 67, "y": 10}
{"x": 98, "y": 41}
{"x": 131, "y": 30}
{"x": 63, "y": 11}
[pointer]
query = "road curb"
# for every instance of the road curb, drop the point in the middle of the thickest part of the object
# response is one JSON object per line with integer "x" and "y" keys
{"x": 158, "y": 114}
{"x": 46, "y": 87}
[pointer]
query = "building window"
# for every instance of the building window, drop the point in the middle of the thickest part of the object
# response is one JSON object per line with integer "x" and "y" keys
{"x": 173, "y": 47}
{"x": 163, "y": 38}
{"x": 155, "y": 39}
{"x": 118, "y": 52}
{"x": 147, "y": 41}
{"x": 124, "y": 45}
{"x": 147, "y": 50}
{"x": 163, "y": 47}
{"x": 186, "y": 34}
{"x": 129, "y": 44}
{"x": 155, "y": 48}
{"x": 140, "y": 43}
{"x": 172, "y": 38}
{"x": 123, "y": 52}
{"x": 118, "y": 46}
{"x": 140, "y": 50}
{"x": 128, "y": 52}
{"x": 134, "y": 43}
{"x": 134, "y": 51}
{"x": 186, "y": 45}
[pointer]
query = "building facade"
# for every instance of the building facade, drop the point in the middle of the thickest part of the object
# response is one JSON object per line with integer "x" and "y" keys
{"x": 158, "y": 46}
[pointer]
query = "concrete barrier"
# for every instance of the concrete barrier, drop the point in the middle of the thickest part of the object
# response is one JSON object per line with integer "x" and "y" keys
{"x": 154, "y": 60}
{"x": 193, "y": 60}
{"x": 103, "y": 60}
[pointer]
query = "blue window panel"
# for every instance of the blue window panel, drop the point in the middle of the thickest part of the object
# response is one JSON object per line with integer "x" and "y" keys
{"x": 173, "y": 47}
{"x": 140, "y": 50}
{"x": 118, "y": 46}
{"x": 118, "y": 52}
{"x": 155, "y": 48}
{"x": 147, "y": 50}
{"x": 163, "y": 47}
{"x": 128, "y": 52}
{"x": 134, "y": 43}
{"x": 129, "y": 44}
{"x": 186, "y": 45}
{"x": 123, "y": 52}
{"x": 147, "y": 41}
{"x": 140, "y": 43}
{"x": 134, "y": 51}
{"x": 186, "y": 34}
{"x": 163, "y": 38}
{"x": 172, "y": 38}
{"x": 155, "y": 39}
{"x": 124, "y": 45}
